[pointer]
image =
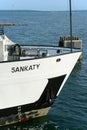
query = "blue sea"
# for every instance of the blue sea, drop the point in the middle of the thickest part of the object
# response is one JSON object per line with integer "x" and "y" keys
{"x": 69, "y": 112}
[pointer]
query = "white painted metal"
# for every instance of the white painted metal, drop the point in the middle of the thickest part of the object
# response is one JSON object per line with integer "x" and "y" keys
{"x": 25, "y": 87}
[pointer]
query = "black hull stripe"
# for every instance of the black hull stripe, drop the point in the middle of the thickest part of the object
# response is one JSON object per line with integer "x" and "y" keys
{"x": 46, "y": 100}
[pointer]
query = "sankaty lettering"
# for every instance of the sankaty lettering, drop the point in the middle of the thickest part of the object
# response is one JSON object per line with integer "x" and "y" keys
{"x": 25, "y": 68}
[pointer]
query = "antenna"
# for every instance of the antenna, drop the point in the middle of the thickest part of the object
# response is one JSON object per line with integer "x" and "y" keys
{"x": 70, "y": 24}
{"x": 2, "y": 25}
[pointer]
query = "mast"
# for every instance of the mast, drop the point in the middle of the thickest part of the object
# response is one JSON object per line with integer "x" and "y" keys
{"x": 70, "y": 24}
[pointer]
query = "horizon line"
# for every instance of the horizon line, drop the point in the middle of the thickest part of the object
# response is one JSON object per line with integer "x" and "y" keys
{"x": 41, "y": 10}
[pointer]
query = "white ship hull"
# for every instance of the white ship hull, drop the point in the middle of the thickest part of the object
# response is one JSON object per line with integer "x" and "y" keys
{"x": 28, "y": 88}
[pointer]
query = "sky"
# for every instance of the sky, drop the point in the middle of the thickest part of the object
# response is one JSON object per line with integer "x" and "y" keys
{"x": 45, "y": 5}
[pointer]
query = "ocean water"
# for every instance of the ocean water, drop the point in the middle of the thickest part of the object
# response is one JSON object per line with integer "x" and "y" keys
{"x": 69, "y": 112}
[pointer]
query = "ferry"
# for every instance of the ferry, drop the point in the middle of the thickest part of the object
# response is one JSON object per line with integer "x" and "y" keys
{"x": 31, "y": 77}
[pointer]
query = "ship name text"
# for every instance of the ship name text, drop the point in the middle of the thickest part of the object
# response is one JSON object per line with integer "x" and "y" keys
{"x": 25, "y": 68}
